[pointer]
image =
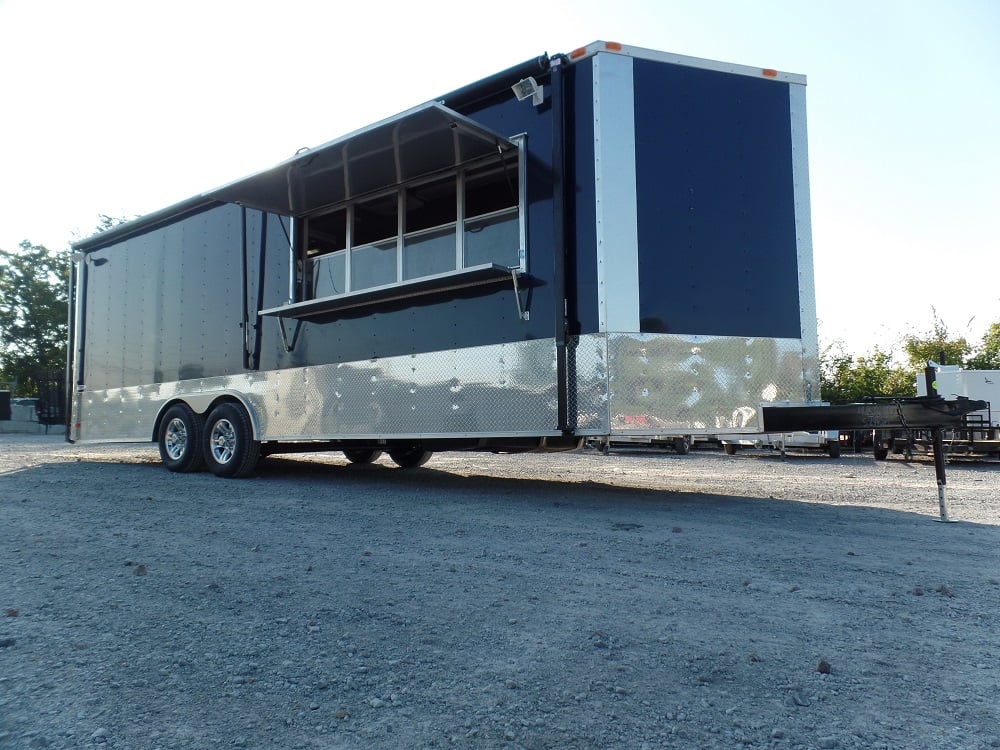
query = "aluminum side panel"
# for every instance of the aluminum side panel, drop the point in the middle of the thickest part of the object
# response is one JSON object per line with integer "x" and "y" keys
{"x": 662, "y": 383}
{"x": 622, "y": 384}
{"x": 499, "y": 390}
{"x": 588, "y": 356}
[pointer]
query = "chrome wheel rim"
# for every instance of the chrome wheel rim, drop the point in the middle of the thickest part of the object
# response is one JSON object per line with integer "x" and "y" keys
{"x": 223, "y": 441}
{"x": 176, "y": 439}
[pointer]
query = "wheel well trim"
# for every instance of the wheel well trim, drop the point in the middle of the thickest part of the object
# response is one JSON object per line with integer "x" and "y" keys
{"x": 203, "y": 403}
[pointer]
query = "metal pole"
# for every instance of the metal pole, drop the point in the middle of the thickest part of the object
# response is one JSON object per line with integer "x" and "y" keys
{"x": 937, "y": 441}
{"x": 939, "y": 471}
{"x": 560, "y": 304}
{"x": 930, "y": 378}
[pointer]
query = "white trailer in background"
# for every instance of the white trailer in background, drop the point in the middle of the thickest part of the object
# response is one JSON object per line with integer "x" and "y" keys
{"x": 978, "y": 434}
{"x": 827, "y": 441}
{"x": 951, "y": 381}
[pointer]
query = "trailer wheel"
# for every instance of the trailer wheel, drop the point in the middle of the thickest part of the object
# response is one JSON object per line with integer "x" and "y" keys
{"x": 180, "y": 439}
{"x": 230, "y": 450}
{"x": 409, "y": 456}
{"x": 681, "y": 446}
{"x": 730, "y": 448}
{"x": 881, "y": 454}
{"x": 833, "y": 449}
{"x": 361, "y": 455}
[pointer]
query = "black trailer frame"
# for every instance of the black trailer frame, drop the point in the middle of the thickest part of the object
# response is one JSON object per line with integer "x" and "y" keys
{"x": 932, "y": 413}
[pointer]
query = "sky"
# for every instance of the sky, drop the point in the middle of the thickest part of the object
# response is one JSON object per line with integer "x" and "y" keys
{"x": 123, "y": 107}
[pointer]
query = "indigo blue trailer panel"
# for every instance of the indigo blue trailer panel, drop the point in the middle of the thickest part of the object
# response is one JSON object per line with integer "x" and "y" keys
{"x": 693, "y": 242}
{"x": 609, "y": 242}
{"x": 726, "y": 216}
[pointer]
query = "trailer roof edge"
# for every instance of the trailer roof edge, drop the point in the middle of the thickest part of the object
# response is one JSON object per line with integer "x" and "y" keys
{"x": 443, "y": 105}
{"x": 642, "y": 53}
{"x": 144, "y": 223}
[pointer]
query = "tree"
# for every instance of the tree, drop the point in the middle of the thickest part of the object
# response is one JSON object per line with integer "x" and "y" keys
{"x": 934, "y": 343}
{"x": 33, "y": 314}
{"x": 848, "y": 378}
{"x": 987, "y": 356}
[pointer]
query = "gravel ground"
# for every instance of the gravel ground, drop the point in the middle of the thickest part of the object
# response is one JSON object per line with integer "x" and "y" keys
{"x": 638, "y": 600}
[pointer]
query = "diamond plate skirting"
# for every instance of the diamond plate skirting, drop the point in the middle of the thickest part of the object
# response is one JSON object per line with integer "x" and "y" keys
{"x": 619, "y": 384}
{"x": 500, "y": 390}
{"x": 700, "y": 384}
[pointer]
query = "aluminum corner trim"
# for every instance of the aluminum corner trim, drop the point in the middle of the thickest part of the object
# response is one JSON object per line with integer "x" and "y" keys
{"x": 803, "y": 241}
{"x": 616, "y": 224}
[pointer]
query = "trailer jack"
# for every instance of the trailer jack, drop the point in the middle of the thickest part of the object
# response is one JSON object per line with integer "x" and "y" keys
{"x": 925, "y": 412}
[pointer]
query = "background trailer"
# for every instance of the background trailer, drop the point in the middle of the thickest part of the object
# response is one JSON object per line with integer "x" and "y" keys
{"x": 612, "y": 242}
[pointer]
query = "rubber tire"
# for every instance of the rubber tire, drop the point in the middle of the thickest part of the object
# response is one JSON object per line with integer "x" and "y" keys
{"x": 180, "y": 424}
{"x": 730, "y": 448}
{"x": 409, "y": 456}
{"x": 228, "y": 430}
{"x": 362, "y": 455}
{"x": 681, "y": 446}
{"x": 881, "y": 454}
{"x": 833, "y": 449}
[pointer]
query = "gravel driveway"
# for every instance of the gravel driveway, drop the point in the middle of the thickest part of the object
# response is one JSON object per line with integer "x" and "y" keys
{"x": 637, "y": 600}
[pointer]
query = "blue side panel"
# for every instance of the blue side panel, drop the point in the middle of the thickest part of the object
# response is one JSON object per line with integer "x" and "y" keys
{"x": 582, "y": 237}
{"x": 716, "y": 218}
{"x": 456, "y": 319}
{"x": 510, "y": 117}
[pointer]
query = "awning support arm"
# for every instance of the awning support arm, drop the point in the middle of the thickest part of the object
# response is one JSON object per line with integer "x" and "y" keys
{"x": 285, "y": 343}
{"x": 521, "y": 312}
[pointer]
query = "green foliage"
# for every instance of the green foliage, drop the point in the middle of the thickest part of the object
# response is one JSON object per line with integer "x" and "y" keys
{"x": 33, "y": 314}
{"x": 848, "y": 378}
{"x": 987, "y": 356}
{"x": 929, "y": 347}
{"x": 105, "y": 222}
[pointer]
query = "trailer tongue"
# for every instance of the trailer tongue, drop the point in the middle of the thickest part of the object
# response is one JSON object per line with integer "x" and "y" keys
{"x": 879, "y": 413}
{"x": 922, "y": 412}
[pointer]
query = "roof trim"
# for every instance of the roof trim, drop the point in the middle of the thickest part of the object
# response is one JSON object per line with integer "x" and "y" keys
{"x": 613, "y": 48}
{"x": 145, "y": 223}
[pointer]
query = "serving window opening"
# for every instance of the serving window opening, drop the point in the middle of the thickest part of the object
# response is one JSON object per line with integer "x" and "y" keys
{"x": 445, "y": 224}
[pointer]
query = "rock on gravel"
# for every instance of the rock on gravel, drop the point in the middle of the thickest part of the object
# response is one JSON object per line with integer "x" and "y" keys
{"x": 637, "y": 600}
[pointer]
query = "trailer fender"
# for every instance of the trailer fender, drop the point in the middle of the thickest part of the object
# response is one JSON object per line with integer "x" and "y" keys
{"x": 202, "y": 403}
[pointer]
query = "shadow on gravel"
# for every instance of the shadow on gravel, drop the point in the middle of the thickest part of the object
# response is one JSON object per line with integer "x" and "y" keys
{"x": 425, "y": 480}
{"x": 800, "y": 456}
{"x": 326, "y": 477}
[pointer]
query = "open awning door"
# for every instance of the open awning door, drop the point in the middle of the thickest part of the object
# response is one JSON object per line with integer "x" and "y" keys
{"x": 427, "y": 139}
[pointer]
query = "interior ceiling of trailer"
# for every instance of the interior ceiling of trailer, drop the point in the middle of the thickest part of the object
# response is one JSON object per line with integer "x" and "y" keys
{"x": 428, "y": 139}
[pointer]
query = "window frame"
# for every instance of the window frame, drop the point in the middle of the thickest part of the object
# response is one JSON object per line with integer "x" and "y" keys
{"x": 306, "y": 261}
